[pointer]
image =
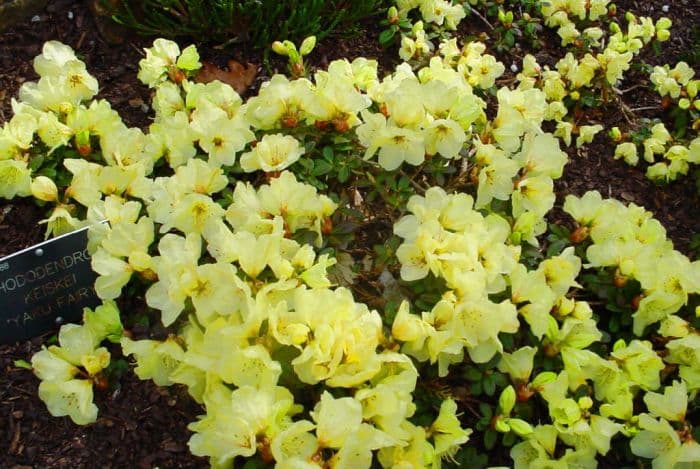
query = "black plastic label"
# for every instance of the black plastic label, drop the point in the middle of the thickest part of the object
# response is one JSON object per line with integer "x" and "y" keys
{"x": 44, "y": 286}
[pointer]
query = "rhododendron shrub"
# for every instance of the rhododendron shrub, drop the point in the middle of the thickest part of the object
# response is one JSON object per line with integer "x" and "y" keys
{"x": 291, "y": 368}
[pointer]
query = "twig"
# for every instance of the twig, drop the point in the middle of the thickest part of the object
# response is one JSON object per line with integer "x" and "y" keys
{"x": 644, "y": 108}
{"x": 626, "y": 111}
{"x": 627, "y": 90}
{"x": 412, "y": 182}
{"x": 482, "y": 18}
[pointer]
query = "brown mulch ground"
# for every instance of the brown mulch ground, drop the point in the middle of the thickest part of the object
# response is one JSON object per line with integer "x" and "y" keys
{"x": 144, "y": 426}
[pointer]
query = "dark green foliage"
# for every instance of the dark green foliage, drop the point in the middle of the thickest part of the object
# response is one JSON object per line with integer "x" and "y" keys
{"x": 258, "y": 22}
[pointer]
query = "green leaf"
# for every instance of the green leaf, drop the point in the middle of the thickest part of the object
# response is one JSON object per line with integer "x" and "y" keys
{"x": 36, "y": 162}
{"x": 343, "y": 174}
{"x": 489, "y": 386}
{"x": 386, "y": 36}
{"x": 473, "y": 374}
{"x": 475, "y": 388}
{"x": 321, "y": 167}
{"x": 490, "y": 437}
{"x": 485, "y": 410}
{"x": 328, "y": 153}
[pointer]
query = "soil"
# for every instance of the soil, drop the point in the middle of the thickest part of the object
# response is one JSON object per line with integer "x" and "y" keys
{"x": 143, "y": 426}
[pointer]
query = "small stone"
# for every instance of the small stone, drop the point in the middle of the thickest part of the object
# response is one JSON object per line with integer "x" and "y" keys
{"x": 18, "y": 414}
{"x": 136, "y": 102}
{"x": 36, "y": 19}
{"x": 513, "y": 68}
{"x": 665, "y": 8}
{"x": 70, "y": 15}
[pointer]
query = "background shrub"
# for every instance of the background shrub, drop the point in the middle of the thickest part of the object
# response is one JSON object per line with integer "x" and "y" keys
{"x": 258, "y": 22}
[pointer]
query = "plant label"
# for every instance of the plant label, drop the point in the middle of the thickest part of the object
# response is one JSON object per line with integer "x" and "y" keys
{"x": 44, "y": 286}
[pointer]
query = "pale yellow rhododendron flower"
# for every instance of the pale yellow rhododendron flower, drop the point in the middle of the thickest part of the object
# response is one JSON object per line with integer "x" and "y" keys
{"x": 444, "y": 136}
{"x": 176, "y": 139}
{"x": 341, "y": 349}
{"x": 294, "y": 446}
{"x": 62, "y": 221}
{"x": 15, "y": 179}
{"x": 273, "y": 153}
{"x": 77, "y": 351}
{"x": 175, "y": 267}
{"x": 659, "y": 441}
{"x": 72, "y": 398}
{"x": 518, "y": 365}
{"x": 155, "y": 360}
{"x": 284, "y": 201}
{"x": 671, "y": 405}
{"x": 335, "y": 99}
{"x": 162, "y": 57}
{"x": 447, "y": 431}
{"x": 219, "y": 136}
{"x": 540, "y": 154}
{"x": 280, "y": 103}
{"x": 586, "y": 133}
{"x": 64, "y": 81}
{"x": 236, "y": 418}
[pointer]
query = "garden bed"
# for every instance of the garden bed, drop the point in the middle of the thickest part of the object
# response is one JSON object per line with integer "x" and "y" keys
{"x": 142, "y": 425}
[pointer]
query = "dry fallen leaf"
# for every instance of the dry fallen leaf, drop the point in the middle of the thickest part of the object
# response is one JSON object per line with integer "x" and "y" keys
{"x": 240, "y": 77}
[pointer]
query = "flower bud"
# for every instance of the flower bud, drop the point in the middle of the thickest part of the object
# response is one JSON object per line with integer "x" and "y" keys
{"x": 520, "y": 427}
{"x": 615, "y": 28}
{"x": 307, "y": 45}
{"x": 615, "y": 134}
{"x": 619, "y": 344}
{"x": 684, "y": 103}
{"x": 629, "y": 16}
{"x": 575, "y": 95}
{"x": 507, "y": 400}
{"x": 392, "y": 15}
{"x": 619, "y": 280}
{"x": 501, "y": 426}
{"x": 279, "y": 48}
{"x": 663, "y": 35}
{"x": 663, "y": 23}
{"x": 82, "y": 143}
{"x": 585, "y": 403}
{"x": 543, "y": 378}
{"x": 44, "y": 189}
{"x": 692, "y": 88}
{"x": 579, "y": 234}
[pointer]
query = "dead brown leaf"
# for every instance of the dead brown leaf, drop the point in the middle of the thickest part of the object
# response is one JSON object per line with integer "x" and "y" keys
{"x": 240, "y": 77}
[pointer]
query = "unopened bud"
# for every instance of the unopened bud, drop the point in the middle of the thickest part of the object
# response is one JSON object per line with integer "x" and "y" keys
{"x": 619, "y": 280}
{"x": 663, "y": 35}
{"x": 501, "y": 426}
{"x": 392, "y": 15}
{"x": 684, "y": 103}
{"x": 82, "y": 143}
{"x": 44, "y": 189}
{"x": 615, "y": 134}
{"x": 579, "y": 234}
{"x": 585, "y": 403}
{"x": 279, "y": 48}
{"x": 307, "y": 45}
{"x": 663, "y": 23}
